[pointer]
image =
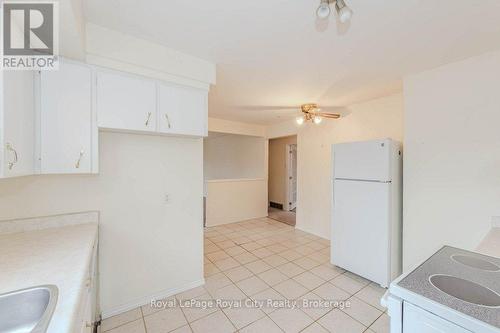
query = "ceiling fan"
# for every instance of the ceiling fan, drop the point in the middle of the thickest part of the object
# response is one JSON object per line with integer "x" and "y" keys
{"x": 312, "y": 112}
{"x": 309, "y": 111}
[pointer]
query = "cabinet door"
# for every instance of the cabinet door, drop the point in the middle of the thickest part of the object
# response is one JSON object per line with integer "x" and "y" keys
{"x": 125, "y": 102}
{"x": 17, "y": 129}
{"x": 417, "y": 320}
{"x": 182, "y": 110}
{"x": 67, "y": 125}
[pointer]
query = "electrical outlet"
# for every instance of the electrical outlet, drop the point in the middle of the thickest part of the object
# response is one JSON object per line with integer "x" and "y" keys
{"x": 167, "y": 198}
{"x": 495, "y": 221}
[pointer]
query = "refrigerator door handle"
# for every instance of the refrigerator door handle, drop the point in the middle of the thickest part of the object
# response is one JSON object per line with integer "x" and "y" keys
{"x": 333, "y": 193}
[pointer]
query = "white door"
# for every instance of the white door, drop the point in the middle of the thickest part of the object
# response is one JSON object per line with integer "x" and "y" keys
{"x": 182, "y": 110}
{"x": 417, "y": 320}
{"x": 369, "y": 160}
{"x": 66, "y": 124}
{"x": 292, "y": 176}
{"x": 125, "y": 102}
{"x": 360, "y": 228}
{"x": 17, "y": 128}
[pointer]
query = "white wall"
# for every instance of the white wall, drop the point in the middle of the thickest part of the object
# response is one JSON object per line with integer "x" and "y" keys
{"x": 228, "y": 156}
{"x": 235, "y": 127}
{"x": 452, "y": 156}
{"x": 379, "y": 118}
{"x": 143, "y": 239}
{"x": 116, "y": 50}
{"x": 279, "y": 130}
{"x": 235, "y": 200}
{"x": 72, "y": 34}
{"x": 235, "y": 170}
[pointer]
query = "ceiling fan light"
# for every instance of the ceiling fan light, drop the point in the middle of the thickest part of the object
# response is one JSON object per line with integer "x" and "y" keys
{"x": 317, "y": 120}
{"x": 345, "y": 13}
{"x": 323, "y": 10}
{"x": 300, "y": 120}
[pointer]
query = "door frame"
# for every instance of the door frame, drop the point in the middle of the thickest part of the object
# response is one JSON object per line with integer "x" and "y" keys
{"x": 286, "y": 205}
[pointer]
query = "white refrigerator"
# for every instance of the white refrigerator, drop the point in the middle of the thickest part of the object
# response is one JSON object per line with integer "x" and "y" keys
{"x": 367, "y": 209}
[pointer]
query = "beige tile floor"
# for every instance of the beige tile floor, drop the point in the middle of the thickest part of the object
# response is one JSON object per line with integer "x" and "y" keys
{"x": 261, "y": 260}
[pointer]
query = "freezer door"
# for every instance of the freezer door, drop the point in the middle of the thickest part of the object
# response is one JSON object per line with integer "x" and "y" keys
{"x": 360, "y": 229}
{"x": 369, "y": 160}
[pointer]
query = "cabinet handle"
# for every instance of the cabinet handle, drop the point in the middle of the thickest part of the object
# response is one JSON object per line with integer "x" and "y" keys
{"x": 77, "y": 164}
{"x": 147, "y": 120}
{"x": 168, "y": 120}
{"x": 10, "y": 148}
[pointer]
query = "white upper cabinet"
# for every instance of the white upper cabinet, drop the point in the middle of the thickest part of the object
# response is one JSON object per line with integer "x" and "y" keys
{"x": 125, "y": 102}
{"x": 17, "y": 117}
{"x": 49, "y": 120}
{"x": 182, "y": 110}
{"x": 68, "y": 131}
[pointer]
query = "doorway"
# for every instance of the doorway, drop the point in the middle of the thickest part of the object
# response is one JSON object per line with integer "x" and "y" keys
{"x": 282, "y": 182}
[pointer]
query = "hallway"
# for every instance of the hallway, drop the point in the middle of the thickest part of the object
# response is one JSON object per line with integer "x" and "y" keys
{"x": 283, "y": 216}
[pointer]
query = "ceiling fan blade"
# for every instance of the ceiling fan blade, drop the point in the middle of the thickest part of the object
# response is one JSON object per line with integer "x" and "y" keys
{"x": 342, "y": 111}
{"x": 331, "y": 109}
{"x": 328, "y": 115}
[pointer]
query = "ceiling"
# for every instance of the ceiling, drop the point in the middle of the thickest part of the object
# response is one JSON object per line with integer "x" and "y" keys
{"x": 276, "y": 53}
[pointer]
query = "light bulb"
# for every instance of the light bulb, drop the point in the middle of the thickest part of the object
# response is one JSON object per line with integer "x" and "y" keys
{"x": 345, "y": 13}
{"x": 317, "y": 120}
{"x": 300, "y": 120}
{"x": 323, "y": 10}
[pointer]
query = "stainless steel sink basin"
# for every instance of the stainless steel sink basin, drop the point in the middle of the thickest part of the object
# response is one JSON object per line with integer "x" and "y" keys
{"x": 27, "y": 310}
{"x": 465, "y": 290}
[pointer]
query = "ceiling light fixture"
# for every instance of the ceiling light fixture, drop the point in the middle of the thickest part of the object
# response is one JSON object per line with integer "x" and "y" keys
{"x": 311, "y": 112}
{"x": 344, "y": 12}
{"x": 324, "y": 9}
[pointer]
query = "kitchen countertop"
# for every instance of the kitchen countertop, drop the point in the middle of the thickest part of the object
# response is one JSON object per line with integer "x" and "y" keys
{"x": 418, "y": 283}
{"x": 59, "y": 256}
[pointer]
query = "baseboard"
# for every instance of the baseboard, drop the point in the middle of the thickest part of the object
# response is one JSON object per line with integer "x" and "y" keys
{"x": 298, "y": 227}
{"x": 275, "y": 205}
{"x": 147, "y": 299}
{"x": 237, "y": 220}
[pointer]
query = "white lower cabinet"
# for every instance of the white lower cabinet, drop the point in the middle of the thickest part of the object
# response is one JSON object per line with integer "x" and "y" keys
{"x": 417, "y": 320}
{"x": 68, "y": 130}
{"x": 17, "y": 118}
